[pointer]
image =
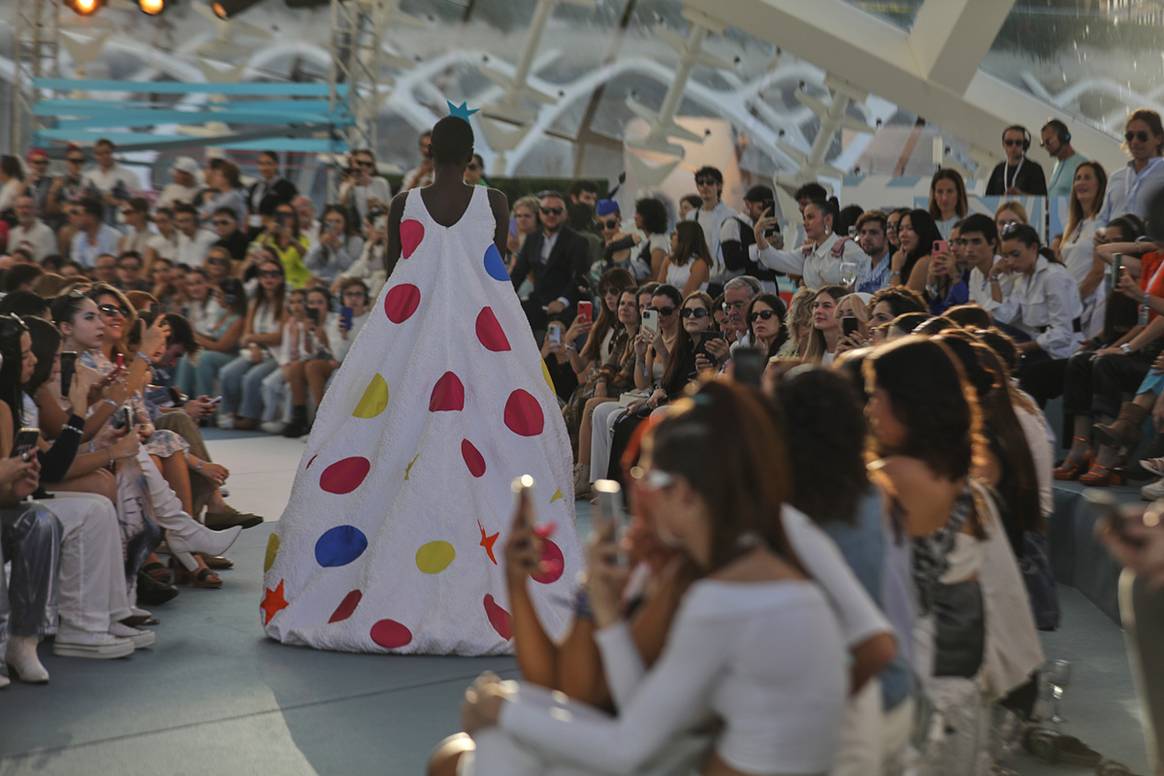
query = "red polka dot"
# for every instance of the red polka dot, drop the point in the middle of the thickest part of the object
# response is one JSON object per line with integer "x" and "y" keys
{"x": 411, "y": 233}
{"x": 489, "y": 331}
{"x": 552, "y": 564}
{"x": 473, "y": 458}
{"x": 448, "y": 395}
{"x": 347, "y": 606}
{"x": 523, "y": 414}
{"x": 345, "y": 475}
{"x": 390, "y": 634}
{"x": 498, "y": 618}
{"x": 311, "y": 461}
{"x": 401, "y": 302}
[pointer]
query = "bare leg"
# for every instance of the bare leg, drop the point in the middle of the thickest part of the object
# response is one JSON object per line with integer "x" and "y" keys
{"x": 177, "y": 474}
{"x": 296, "y": 382}
{"x": 584, "y": 431}
{"x": 101, "y": 482}
{"x": 317, "y": 373}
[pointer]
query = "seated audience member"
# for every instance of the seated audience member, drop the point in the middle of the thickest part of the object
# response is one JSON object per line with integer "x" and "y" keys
{"x": 184, "y": 185}
{"x": 93, "y": 237}
{"x": 284, "y": 238}
{"x": 30, "y": 539}
{"x": 888, "y": 303}
{"x": 293, "y": 341}
{"x": 815, "y": 262}
{"x": 218, "y": 266}
{"x": 224, "y": 191}
{"x": 216, "y": 317}
{"x": 105, "y": 269}
{"x": 129, "y": 272}
{"x": 338, "y": 247}
{"x": 370, "y": 267}
{"x": 312, "y": 335}
{"x": 514, "y": 727}
{"x": 766, "y": 327}
{"x": 945, "y": 281}
{"x": 308, "y": 224}
{"x": 194, "y": 242}
{"x": 268, "y": 192}
{"x": 20, "y": 277}
{"x": 688, "y": 267}
{"x": 871, "y": 236}
{"x": 916, "y": 234}
{"x": 164, "y": 244}
{"x": 231, "y": 235}
{"x": 826, "y": 325}
{"x": 242, "y": 379}
{"x": 1009, "y": 213}
{"x": 969, "y": 316}
{"x": 799, "y": 324}
{"x": 853, "y": 315}
{"x": 25, "y": 304}
{"x": 30, "y": 233}
{"x": 136, "y": 237}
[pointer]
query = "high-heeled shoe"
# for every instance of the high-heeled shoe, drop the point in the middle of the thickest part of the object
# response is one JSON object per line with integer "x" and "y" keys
{"x": 1100, "y": 476}
{"x": 1071, "y": 470}
{"x": 189, "y": 537}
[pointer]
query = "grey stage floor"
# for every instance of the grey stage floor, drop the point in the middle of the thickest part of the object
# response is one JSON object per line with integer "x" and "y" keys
{"x": 215, "y": 696}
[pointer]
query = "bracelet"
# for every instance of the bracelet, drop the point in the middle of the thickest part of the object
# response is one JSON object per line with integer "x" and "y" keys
{"x": 111, "y": 403}
{"x": 143, "y": 357}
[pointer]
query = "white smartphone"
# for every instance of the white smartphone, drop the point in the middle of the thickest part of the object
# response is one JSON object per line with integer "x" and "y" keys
{"x": 651, "y": 321}
{"x": 554, "y": 332}
{"x": 610, "y": 511}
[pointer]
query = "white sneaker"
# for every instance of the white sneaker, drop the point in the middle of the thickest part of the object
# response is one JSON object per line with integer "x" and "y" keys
{"x": 224, "y": 421}
{"x": 1153, "y": 490}
{"x": 23, "y": 661}
{"x": 140, "y": 638}
{"x": 4, "y": 681}
{"x": 99, "y": 646}
{"x": 273, "y": 426}
{"x": 137, "y": 612}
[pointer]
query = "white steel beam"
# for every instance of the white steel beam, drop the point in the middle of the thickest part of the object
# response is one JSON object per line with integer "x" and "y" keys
{"x": 949, "y": 38}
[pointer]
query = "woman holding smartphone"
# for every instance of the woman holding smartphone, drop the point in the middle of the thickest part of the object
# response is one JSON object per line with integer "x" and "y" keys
{"x": 316, "y": 321}
{"x": 339, "y": 245}
{"x": 242, "y": 378}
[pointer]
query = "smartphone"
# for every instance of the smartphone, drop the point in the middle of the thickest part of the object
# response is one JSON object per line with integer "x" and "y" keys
{"x": 313, "y": 315}
{"x": 850, "y": 325}
{"x": 705, "y": 337}
{"x": 940, "y": 246}
{"x": 611, "y": 514}
{"x": 123, "y": 417}
{"x": 651, "y": 321}
{"x": 520, "y": 486}
{"x": 346, "y": 314}
{"x": 119, "y": 360}
{"x": 216, "y": 401}
{"x": 748, "y": 365}
{"x": 554, "y": 332}
{"x": 1106, "y": 507}
{"x": 586, "y": 310}
{"x": 1117, "y": 265}
{"x": 68, "y": 370}
{"x": 512, "y": 226}
{"x": 25, "y": 442}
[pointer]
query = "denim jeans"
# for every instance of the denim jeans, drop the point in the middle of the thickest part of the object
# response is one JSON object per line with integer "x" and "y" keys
{"x": 242, "y": 382}
{"x": 198, "y": 379}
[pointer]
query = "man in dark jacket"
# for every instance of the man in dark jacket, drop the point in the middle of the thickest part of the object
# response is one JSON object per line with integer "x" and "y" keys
{"x": 556, "y": 260}
{"x": 269, "y": 191}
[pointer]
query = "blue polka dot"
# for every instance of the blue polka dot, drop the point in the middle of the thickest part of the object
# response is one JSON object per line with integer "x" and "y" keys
{"x": 494, "y": 264}
{"x": 339, "y": 546}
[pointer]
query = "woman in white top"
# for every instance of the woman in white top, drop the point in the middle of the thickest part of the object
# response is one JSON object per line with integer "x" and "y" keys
{"x": 652, "y": 249}
{"x": 1077, "y": 248}
{"x": 338, "y": 247}
{"x": 754, "y": 646}
{"x": 689, "y": 265}
{"x": 826, "y": 333}
{"x": 369, "y": 267}
{"x": 164, "y": 244}
{"x": 242, "y": 379}
{"x": 312, "y": 339}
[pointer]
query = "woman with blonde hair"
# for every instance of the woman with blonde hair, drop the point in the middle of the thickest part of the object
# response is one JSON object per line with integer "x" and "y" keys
{"x": 799, "y": 324}
{"x": 826, "y": 332}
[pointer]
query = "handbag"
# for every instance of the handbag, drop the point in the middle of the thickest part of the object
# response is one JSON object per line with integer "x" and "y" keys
{"x": 960, "y": 629}
{"x": 1040, "y": 581}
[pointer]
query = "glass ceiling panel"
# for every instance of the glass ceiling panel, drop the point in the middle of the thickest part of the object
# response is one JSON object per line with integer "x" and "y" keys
{"x": 900, "y": 13}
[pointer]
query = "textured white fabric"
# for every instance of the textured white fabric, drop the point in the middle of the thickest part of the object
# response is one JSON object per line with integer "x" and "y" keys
{"x": 92, "y": 590}
{"x": 388, "y": 486}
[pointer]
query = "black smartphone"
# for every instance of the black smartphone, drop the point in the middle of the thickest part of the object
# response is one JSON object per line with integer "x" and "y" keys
{"x": 705, "y": 337}
{"x": 68, "y": 370}
{"x": 123, "y": 417}
{"x": 26, "y": 442}
{"x": 1106, "y": 507}
{"x": 748, "y": 365}
{"x": 313, "y": 315}
{"x": 850, "y": 325}
{"x": 769, "y": 206}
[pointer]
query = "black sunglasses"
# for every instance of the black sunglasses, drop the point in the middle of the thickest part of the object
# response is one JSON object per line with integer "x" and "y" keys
{"x": 693, "y": 312}
{"x": 113, "y": 309}
{"x": 665, "y": 312}
{"x": 611, "y": 224}
{"x": 551, "y": 211}
{"x": 222, "y": 222}
{"x": 1012, "y": 142}
{"x": 1141, "y": 135}
{"x": 705, "y": 180}
{"x": 76, "y": 159}
{"x": 270, "y": 273}
{"x": 762, "y": 314}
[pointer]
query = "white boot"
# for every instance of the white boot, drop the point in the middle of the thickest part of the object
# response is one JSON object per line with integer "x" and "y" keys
{"x": 23, "y": 661}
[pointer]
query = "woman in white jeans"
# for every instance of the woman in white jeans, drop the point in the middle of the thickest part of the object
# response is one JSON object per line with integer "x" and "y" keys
{"x": 755, "y": 644}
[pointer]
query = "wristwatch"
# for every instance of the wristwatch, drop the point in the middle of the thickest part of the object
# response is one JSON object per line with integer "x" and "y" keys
{"x": 1126, "y": 349}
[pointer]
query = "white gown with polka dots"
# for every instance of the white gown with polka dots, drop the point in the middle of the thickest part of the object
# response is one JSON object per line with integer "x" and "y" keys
{"x": 392, "y": 539}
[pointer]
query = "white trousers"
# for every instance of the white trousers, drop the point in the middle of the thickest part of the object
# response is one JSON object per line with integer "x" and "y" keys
{"x": 601, "y": 434}
{"x": 861, "y": 734}
{"x": 91, "y": 591}
{"x": 276, "y": 397}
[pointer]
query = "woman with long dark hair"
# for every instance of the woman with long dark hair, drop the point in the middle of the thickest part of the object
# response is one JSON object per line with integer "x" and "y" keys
{"x": 689, "y": 265}
{"x": 947, "y": 199}
{"x": 340, "y": 244}
{"x": 765, "y": 317}
{"x": 916, "y": 234}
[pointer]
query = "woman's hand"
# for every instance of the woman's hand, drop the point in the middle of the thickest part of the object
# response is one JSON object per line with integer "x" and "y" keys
{"x": 483, "y": 702}
{"x": 523, "y": 548}
{"x": 719, "y": 349}
{"x": 657, "y": 398}
{"x": 897, "y": 263}
{"x": 606, "y": 577}
{"x": 216, "y": 473}
{"x": 118, "y": 391}
{"x": 125, "y": 447}
{"x": 255, "y": 354}
{"x": 600, "y": 388}
{"x": 578, "y": 329}
{"x": 1129, "y": 287}
{"x": 850, "y": 342}
{"x": 12, "y": 470}
{"x": 154, "y": 338}
{"x": 78, "y": 395}
{"x": 642, "y": 341}
{"x": 763, "y": 224}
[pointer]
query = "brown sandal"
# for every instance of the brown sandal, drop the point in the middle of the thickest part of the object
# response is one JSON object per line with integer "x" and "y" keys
{"x": 217, "y": 562}
{"x": 202, "y": 578}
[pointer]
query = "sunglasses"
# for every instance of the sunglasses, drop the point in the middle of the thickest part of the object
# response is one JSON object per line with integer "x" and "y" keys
{"x": 113, "y": 309}
{"x": 366, "y": 164}
{"x": 665, "y": 312}
{"x": 217, "y": 260}
{"x": 551, "y": 211}
{"x": 611, "y": 224}
{"x": 1141, "y": 136}
{"x": 76, "y": 159}
{"x": 705, "y": 181}
{"x": 1012, "y": 142}
{"x": 222, "y": 222}
{"x": 762, "y": 315}
{"x": 693, "y": 312}
{"x": 270, "y": 273}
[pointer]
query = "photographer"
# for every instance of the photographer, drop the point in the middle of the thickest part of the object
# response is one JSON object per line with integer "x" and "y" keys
{"x": 284, "y": 238}
{"x": 362, "y": 190}
{"x": 338, "y": 247}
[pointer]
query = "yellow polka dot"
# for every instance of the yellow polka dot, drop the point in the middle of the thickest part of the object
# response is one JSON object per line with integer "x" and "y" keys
{"x": 435, "y": 557}
{"x": 557, "y": 496}
{"x": 546, "y": 376}
{"x": 272, "y": 551}
{"x": 375, "y": 398}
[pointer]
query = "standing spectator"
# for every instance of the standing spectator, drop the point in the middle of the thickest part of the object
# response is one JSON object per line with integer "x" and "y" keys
{"x": 366, "y": 192}
{"x": 711, "y": 215}
{"x": 689, "y": 265}
{"x": 421, "y": 175}
{"x": 1056, "y": 140}
{"x": 871, "y": 236}
{"x": 230, "y": 234}
{"x": 113, "y": 181}
{"x": 164, "y": 244}
{"x": 136, "y": 215}
{"x": 1131, "y": 187}
{"x": 339, "y": 245}
{"x": 30, "y": 233}
{"x": 223, "y": 186}
{"x": 308, "y": 223}
{"x": 737, "y": 238}
{"x": 1017, "y": 175}
{"x": 92, "y": 236}
{"x": 1077, "y": 248}
{"x": 129, "y": 272}
{"x": 651, "y": 220}
{"x": 688, "y": 204}
{"x": 583, "y": 192}
{"x": 369, "y": 267}
{"x": 554, "y": 258}
{"x": 71, "y": 187}
{"x": 12, "y": 184}
{"x": 268, "y": 192}
{"x": 815, "y": 262}
{"x": 911, "y": 264}
{"x": 193, "y": 241}
{"x": 37, "y": 179}
{"x": 184, "y": 186}
{"x": 947, "y": 200}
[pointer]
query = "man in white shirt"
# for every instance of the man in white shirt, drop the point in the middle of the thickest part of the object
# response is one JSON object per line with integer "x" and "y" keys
{"x": 30, "y": 233}
{"x": 308, "y": 223}
{"x": 93, "y": 236}
{"x": 364, "y": 191}
{"x": 184, "y": 187}
{"x": 711, "y": 216}
{"x": 814, "y": 262}
{"x": 114, "y": 182}
{"x": 979, "y": 237}
{"x": 193, "y": 241}
{"x": 1130, "y": 188}
{"x": 1056, "y": 140}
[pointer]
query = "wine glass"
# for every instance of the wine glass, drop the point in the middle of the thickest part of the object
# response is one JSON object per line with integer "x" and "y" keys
{"x": 1058, "y": 674}
{"x": 1005, "y": 730}
{"x": 848, "y": 273}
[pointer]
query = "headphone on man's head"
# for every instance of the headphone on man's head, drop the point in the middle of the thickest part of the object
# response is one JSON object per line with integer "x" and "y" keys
{"x": 1026, "y": 135}
{"x": 1060, "y": 130}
